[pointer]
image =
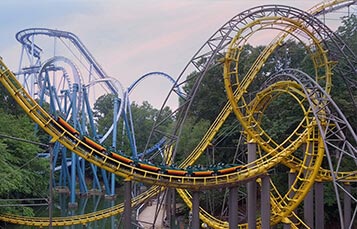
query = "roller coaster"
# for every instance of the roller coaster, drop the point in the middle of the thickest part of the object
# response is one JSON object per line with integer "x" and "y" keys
{"x": 315, "y": 152}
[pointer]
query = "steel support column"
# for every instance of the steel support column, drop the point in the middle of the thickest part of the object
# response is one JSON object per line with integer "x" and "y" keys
{"x": 114, "y": 141}
{"x": 252, "y": 189}
{"x": 347, "y": 205}
{"x": 127, "y": 203}
{"x": 168, "y": 206}
{"x": 195, "y": 210}
{"x": 291, "y": 179}
{"x": 74, "y": 157}
{"x": 233, "y": 208}
{"x": 309, "y": 199}
{"x": 309, "y": 209}
{"x": 265, "y": 202}
{"x": 319, "y": 205}
{"x": 173, "y": 207}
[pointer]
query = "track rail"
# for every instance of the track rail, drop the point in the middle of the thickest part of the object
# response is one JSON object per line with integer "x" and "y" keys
{"x": 84, "y": 150}
{"x": 25, "y": 38}
{"x": 319, "y": 143}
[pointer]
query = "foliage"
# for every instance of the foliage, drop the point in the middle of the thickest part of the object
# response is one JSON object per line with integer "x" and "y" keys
{"x": 210, "y": 94}
{"x": 143, "y": 116}
{"x": 278, "y": 121}
{"x": 103, "y": 112}
{"x": 192, "y": 133}
{"x": 8, "y": 104}
{"x": 23, "y": 175}
{"x": 281, "y": 116}
{"x": 340, "y": 93}
{"x": 348, "y": 31}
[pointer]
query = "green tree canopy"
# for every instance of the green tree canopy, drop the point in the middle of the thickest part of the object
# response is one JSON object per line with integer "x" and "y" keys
{"x": 143, "y": 118}
{"x": 23, "y": 174}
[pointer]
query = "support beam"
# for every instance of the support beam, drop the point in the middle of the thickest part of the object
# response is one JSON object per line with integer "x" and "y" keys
{"x": 252, "y": 189}
{"x": 72, "y": 202}
{"x": 50, "y": 199}
{"x": 347, "y": 206}
{"x": 127, "y": 203}
{"x": 309, "y": 209}
{"x": 114, "y": 140}
{"x": 265, "y": 202}
{"x": 74, "y": 157}
{"x": 233, "y": 208}
{"x": 291, "y": 179}
{"x": 195, "y": 210}
{"x": 173, "y": 207}
{"x": 168, "y": 205}
{"x": 319, "y": 205}
{"x": 309, "y": 199}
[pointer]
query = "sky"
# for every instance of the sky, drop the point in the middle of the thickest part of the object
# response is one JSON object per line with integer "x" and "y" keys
{"x": 129, "y": 38}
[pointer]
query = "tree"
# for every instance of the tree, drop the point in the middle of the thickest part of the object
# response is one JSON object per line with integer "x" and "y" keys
{"x": 8, "y": 104}
{"x": 23, "y": 174}
{"x": 210, "y": 95}
{"x": 192, "y": 133}
{"x": 103, "y": 111}
{"x": 348, "y": 31}
{"x": 341, "y": 95}
{"x": 143, "y": 116}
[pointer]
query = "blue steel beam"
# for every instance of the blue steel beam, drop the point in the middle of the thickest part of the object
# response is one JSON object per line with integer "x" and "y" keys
{"x": 24, "y": 36}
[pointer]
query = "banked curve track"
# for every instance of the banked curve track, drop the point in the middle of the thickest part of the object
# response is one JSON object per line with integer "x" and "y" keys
{"x": 74, "y": 143}
{"x": 45, "y": 120}
{"x": 322, "y": 63}
{"x": 83, "y": 150}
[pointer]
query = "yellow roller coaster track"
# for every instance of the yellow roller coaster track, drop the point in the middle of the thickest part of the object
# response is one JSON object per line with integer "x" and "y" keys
{"x": 81, "y": 219}
{"x": 84, "y": 150}
{"x": 319, "y": 60}
{"x": 45, "y": 121}
{"x": 233, "y": 82}
{"x": 256, "y": 169}
{"x": 280, "y": 87}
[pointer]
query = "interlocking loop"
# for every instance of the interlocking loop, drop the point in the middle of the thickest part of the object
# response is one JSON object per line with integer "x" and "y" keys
{"x": 302, "y": 150}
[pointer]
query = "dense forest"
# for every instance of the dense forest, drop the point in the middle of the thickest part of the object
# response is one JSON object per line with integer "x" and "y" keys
{"x": 25, "y": 175}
